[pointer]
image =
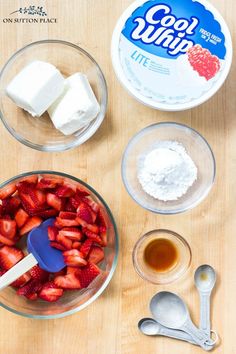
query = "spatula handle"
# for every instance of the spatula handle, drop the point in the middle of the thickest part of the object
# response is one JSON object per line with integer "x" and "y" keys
{"x": 15, "y": 272}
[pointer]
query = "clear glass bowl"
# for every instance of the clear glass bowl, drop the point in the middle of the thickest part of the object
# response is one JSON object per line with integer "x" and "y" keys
{"x": 179, "y": 269}
{"x": 195, "y": 145}
{"x": 39, "y": 132}
{"x": 71, "y": 301}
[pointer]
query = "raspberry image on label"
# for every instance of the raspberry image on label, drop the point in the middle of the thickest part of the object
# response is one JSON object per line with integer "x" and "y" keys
{"x": 202, "y": 61}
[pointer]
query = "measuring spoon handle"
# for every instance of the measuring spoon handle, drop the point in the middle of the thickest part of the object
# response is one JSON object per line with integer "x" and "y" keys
{"x": 198, "y": 335}
{"x": 205, "y": 324}
{"x": 176, "y": 334}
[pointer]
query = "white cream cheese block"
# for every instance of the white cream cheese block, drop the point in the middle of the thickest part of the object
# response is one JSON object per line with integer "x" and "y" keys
{"x": 76, "y": 107}
{"x": 36, "y": 87}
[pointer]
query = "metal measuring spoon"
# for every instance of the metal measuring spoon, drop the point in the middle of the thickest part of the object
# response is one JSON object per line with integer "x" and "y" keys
{"x": 150, "y": 327}
{"x": 205, "y": 279}
{"x": 170, "y": 311}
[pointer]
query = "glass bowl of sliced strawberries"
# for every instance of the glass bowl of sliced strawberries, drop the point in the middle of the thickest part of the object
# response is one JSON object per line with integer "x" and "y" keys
{"x": 83, "y": 230}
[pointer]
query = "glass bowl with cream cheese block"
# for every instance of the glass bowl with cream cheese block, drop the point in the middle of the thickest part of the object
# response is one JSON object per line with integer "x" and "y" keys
{"x": 168, "y": 168}
{"x": 53, "y": 95}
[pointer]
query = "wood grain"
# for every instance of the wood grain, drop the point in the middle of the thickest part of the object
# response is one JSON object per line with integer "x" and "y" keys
{"x": 109, "y": 326}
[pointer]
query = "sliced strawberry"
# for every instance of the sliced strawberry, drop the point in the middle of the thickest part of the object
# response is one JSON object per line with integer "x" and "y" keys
{"x": 6, "y": 241}
{"x": 100, "y": 221}
{"x": 54, "y": 201}
{"x": 60, "y": 272}
{"x": 8, "y": 228}
{"x": 31, "y": 198}
{"x": 57, "y": 245}
{"x": 93, "y": 205}
{"x": 9, "y": 256}
{"x": 82, "y": 192}
{"x": 86, "y": 246}
{"x": 64, "y": 241}
{"x": 49, "y": 182}
{"x": 103, "y": 235}
{"x": 72, "y": 233}
{"x": 50, "y": 292}
{"x": 84, "y": 213}
{"x": 39, "y": 274}
{"x": 94, "y": 216}
{"x": 14, "y": 202}
{"x": 46, "y": 214}
{"x": 32, "y": 287}
{"x": 7, "y": 217}
{"x": 25, "y": 187}
{"x": 74, "y": 253}
{"x": 67, "y": 215}
{"x": 38, "y": 197}
{"x": 72, "y": 270}
{"x": 68, "y": 281}
{"x": 92, "y": 227}
{"x": 7, "y": 191}
{"x": 33, "y": 222}
{"x": 22, "y": 280}
{"x": 52, "y": 233}
{"x": 65, "y": 191}
{"x": 60, "y": 223}
{"x": 96, "y": 254}
{"x": 75, "y": 201}
{"x": 21, "y": 217}
{"x": 34, "y": 197}
{"x": 27, "y": 203}
{"x": 92, "y": 236}
{"x": 10, "y": 205}
{"x": 87, "y": 274}
{"x": 30, "y": 179}
{"x": 74, "y": 258}
{"x": 69, "y": 206}
{"x": 76, "y": 244}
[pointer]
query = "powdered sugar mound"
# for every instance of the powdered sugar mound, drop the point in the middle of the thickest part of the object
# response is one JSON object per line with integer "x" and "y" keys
{"x": 167, "y": 172}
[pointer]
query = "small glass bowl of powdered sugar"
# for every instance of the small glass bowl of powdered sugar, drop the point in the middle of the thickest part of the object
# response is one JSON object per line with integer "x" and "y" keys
{"x": 168, "y": 168}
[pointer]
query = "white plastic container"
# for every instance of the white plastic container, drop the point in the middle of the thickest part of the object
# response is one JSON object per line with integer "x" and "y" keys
{"x": 171, "y": 55}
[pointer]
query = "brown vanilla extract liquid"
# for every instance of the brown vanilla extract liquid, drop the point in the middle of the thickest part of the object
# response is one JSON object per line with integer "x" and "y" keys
{"x": 161, "y": 255}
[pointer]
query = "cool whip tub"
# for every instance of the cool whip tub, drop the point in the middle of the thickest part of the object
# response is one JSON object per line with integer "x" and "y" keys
{"x": 171, "y": 55}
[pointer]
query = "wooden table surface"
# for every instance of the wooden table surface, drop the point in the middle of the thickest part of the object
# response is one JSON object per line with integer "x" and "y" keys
{"x": 109, "y": 325}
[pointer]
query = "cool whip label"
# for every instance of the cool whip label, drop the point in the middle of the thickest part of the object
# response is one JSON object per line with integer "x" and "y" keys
{"x": 161, "y": 28}
{"x": 172, "y": 51}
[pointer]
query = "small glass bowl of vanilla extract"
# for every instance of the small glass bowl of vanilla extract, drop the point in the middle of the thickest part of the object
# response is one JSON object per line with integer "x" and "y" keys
{"x": 161, "y": 256}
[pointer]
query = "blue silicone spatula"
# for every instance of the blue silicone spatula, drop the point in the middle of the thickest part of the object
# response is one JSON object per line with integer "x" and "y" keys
{"x": 40, "y": 252}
